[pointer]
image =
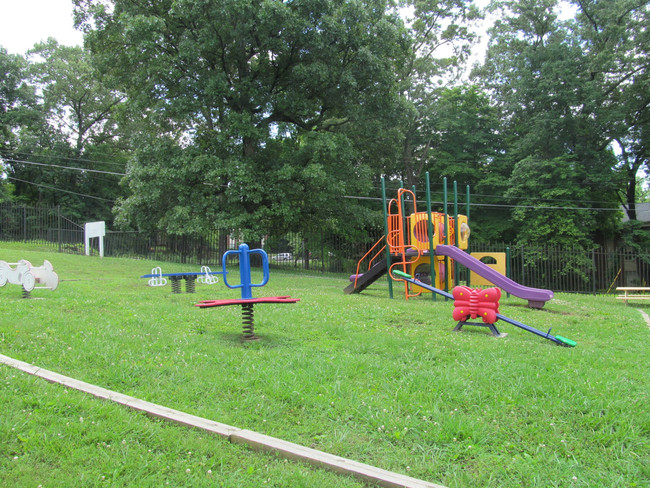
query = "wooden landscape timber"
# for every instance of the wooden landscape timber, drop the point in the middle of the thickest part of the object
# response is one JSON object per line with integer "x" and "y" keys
{"x": 235, "y": 435}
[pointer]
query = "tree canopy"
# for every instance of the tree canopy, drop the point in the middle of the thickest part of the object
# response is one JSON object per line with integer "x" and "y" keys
{"x": 252, "y": 114}
{"x": 255, "y": 98}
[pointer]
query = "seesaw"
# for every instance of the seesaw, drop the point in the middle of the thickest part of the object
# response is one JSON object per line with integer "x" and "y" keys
{"x": 27, "y": 276}
{"x": 247, "y": 301}
{"x": 205, "y": 276}
{"x": 468, "y": 304}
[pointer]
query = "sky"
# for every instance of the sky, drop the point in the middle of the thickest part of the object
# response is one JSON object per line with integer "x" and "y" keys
{"x": 23, "y": 23}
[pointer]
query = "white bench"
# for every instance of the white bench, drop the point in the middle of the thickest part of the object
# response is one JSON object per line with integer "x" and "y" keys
{"x": 633, "y": 293}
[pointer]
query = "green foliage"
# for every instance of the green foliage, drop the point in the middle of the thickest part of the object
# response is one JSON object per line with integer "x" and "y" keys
{"x": 69, "y": 125}
{"x": 267, "y": 114}
{"x": 240, "y": 87}
{"x": 385, "y": 382}
{"x": 636, "y": 235}
{"x": 552, "y": 109}
{"x": 537, "y": 185}
{"x": 617, "y": 42}
{"x": 441, "y": 36}
{"x": 74, "y": 98}
{"x": 6, "y": 191}
{"x": 17, "y": 100}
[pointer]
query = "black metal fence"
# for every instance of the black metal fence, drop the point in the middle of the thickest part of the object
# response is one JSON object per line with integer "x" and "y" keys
{"x": 554, "y": 268}
{"x": 318, "y": 251}
{"x": 40, "y": 224}
{"x": 573, "y": 269}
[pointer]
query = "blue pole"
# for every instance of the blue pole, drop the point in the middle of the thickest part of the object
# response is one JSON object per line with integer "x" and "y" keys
{"x": 245, "y": 270}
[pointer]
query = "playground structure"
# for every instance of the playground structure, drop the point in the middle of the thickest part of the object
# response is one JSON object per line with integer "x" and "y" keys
{"x": 27, "y": 276}
{"x": 206, "y": 276}
{"x": 489, "y": 309}
{"x": 429, "y": 245}
{"x": 246, "y": 301}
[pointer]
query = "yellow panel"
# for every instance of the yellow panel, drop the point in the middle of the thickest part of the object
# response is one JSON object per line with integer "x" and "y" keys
{"x": 463, "y": 232}
{"x": 499, "y": 266}
{"x": 419, "y": 231}
{"x": 421, "y": 270}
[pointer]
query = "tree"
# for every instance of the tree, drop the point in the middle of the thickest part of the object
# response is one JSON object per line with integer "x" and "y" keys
{"x": 541, "y": 188}
{"x": 537, "y": 74}
{"x": 16, "y": 107}
{"x": 441, "y": 39}
{"x": 252, "y": 96}
{"x": 17, "y": 99}
{"x": 69, "y": 155}
{"x": 77, "y": 103}
{"x": 617, "y": 42}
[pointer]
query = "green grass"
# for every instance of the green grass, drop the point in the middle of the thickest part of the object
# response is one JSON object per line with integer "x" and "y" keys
{"x": 384, "y": 382}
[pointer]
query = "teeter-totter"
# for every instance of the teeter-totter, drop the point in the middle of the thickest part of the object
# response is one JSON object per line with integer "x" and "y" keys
{"x": 480, "y": 303}
{"x": 28, "y": 276}
{"x": 206, "y": 276}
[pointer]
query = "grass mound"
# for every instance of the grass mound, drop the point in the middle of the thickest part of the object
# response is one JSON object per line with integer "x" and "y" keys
{"x": 384, "y": 382}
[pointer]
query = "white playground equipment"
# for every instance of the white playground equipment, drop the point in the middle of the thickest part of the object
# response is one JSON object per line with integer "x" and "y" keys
{"x": 28, "y": 276}
{"x": 207, "y": 277}
{"x": 157, "y": 279}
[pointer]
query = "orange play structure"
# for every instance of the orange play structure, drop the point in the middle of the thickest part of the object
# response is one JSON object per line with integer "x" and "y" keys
{"x": 431, "y": 247}
{"x": 409, "y": 248}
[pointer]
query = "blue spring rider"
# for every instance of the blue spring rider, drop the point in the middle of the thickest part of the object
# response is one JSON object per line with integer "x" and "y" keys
{"x": 246, "y": 301}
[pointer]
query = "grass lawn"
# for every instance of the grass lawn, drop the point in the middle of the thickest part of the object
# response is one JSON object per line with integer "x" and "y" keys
{"x": 384, "y": 382}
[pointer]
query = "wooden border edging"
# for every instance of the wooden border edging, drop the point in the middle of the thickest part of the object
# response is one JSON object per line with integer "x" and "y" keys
{"x": 235, "y": 435}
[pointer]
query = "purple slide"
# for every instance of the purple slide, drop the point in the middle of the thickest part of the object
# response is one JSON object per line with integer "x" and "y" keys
{"x": 536, "y": 297}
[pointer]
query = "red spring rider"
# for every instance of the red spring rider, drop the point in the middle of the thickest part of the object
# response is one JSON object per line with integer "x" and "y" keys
{"x": 246, "y": 286}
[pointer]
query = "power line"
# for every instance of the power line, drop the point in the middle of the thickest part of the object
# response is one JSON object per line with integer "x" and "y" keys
{"x": 546, "y": 207}
{"x": 540, "y": 207}
{"x": 65, "y": 167}
{"x": 83, "y": 160}
{"x": 60, "y": 189}
{"x": 494, "y": 205}
{"x": 505, "y": 197}
{"x": 488, "y": 205}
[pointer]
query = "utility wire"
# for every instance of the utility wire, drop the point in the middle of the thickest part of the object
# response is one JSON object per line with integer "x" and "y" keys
{"x": 19, "y": 161}
{"x": 489, "y": 205}
{"x": 55, "y": 156}
{"x": 495, "y": 205}
{"x": 515, "y": 198}
{"x": 59, "y": 189}
{"x": 124, "y": 174}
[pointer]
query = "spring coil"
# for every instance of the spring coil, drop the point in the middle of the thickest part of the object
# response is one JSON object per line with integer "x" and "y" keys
{"x": 27, "y": 294}
{"x": 247, "y": 322}
{"x": 190, "y": 284}
{"x": 176, "y": 284}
